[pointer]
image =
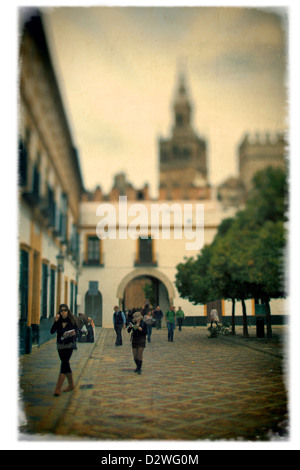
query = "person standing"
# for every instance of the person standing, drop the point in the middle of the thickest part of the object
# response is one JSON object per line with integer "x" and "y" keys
{"x": 130, "y": 316}
{"x": 66, "y": 330}
{"x": 214, "y": 317}
{"x": 180, "y": 316}
{"x": 158, "y": 316}
{"x": 148, "y": 319}
{"x": 85, "y": 326}
{"x": 119, "y": 322}
{"x": 171, "y": 320}
{"x": 138, "y": 328}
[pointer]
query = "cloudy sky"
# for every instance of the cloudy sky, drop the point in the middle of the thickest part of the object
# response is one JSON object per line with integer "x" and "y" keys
{"x": 117, "y": 69}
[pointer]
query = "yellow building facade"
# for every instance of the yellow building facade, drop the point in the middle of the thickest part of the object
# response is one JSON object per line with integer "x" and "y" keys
{"x": 50, "y": 188}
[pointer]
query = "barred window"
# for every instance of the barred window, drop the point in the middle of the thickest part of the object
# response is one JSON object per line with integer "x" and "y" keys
{"x": 145, "y": 253}
{"x": 93, "y": 250}
{"x": 145, "y": 246}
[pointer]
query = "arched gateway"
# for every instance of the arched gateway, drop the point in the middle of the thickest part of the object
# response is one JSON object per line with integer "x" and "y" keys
{"x": 147, "y": 272}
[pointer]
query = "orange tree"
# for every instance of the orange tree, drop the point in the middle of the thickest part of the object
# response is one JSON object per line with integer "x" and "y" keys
{"x": 248, "y": 262}
{"x": 249, "y": 259}
{"x": 197, "y": 282}
{"x": 246, "y": 258}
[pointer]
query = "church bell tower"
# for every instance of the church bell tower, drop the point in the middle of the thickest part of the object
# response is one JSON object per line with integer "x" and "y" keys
{"x": 183, "y": 169}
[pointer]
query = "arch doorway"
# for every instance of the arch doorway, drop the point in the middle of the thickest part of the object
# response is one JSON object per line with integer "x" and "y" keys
{"x": 135, "y": 295}
{"x": 93, "y": 307}
{"x": 131, "y": 291}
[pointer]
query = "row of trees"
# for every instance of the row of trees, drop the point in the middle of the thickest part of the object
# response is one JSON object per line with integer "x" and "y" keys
{"x": 247, "y": 257}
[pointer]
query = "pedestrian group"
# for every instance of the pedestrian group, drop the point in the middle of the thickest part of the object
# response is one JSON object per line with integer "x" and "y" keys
{"x": 139, "y": 322}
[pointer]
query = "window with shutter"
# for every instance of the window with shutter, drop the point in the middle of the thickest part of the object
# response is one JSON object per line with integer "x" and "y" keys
{"x": 52, "y": 293}
{"x": 44, "y": 292}
{"x": 24, "y": 284}
{"x": 145, "y": 255}
{"x": 93, "y": 251}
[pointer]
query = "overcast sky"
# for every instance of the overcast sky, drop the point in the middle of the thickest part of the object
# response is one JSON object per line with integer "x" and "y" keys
{"x": 117, "y": 69}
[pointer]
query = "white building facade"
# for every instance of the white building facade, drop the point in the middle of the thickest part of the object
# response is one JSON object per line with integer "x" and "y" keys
{"x": 93, "y": 253}
{"x": 113, "y": 261}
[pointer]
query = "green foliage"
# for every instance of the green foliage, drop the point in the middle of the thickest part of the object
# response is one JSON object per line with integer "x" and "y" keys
{"x": 269, "y": 198}
{"x": 215, "y": 331}
{"x": 246, "y": 258}
{"x": 150, "y": 294}
{"x": 193, "y": 280}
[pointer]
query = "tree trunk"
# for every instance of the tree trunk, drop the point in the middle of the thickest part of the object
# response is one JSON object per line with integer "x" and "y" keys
{"x": 245, "y": 326}
{"x": 233, "y": 318}
{"x": 268, "y": 318}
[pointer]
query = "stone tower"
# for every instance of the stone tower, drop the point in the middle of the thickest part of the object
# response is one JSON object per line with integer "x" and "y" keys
{"x": 260, "y": 151}
{"x": 183, "y": 167}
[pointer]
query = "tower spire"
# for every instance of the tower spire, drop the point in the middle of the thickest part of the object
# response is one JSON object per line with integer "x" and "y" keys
{"x": 182, "y": 106}
{"x": 183, "y": 166}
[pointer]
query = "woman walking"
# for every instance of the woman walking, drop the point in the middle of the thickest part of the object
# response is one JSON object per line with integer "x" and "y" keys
{"x": 149, "y": 320}
{"x": 138, "y": 337}
{"x": 65, "y": 327}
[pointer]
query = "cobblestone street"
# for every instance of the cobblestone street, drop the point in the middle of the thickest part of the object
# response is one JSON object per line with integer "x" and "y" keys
{"x": 196, "y": 388}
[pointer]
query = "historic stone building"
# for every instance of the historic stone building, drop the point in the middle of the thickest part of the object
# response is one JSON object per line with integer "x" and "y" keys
{"x": 183, "y": 157}
{"x": 50, "y": 189}
{"x": 255, "y": 153}
{"x": 93, "y": 250}
{"x": 121, "y": 187}
{"x": 121, "y": 265}
{"x": 122, "y": 260}
{"x": 258, "y": 152}
{"x": 232, "y": 192}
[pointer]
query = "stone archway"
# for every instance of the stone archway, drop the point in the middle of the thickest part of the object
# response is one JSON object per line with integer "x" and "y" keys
{"x": 146, "y": 272}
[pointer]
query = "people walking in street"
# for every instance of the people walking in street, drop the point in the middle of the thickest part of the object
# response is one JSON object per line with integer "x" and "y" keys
{"x": 149, "y": 320}
{"x": 130, "y": 316}
{"x": 180, "y": 316}
{"x": 214, "y": 317}
{"x": 66, "y": 329}
{"x": 138, "y": 330}
{"x": 171, "y": 322}
{"x": 119, "y": 321}
{"x": 158, "y": 315}
{"x": 147, "y": 307}
{"x": 86, "y": 328}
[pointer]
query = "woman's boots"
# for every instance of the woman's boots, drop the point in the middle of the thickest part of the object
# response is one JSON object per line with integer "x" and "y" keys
{"x": 59, "y": 384}
{"x": 139, "y": 366}
{"x": 71, "y": 385}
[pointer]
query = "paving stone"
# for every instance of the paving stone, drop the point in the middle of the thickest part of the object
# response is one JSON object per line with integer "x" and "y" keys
{"x": 193, "y": 389}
